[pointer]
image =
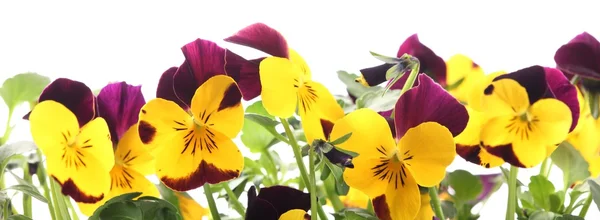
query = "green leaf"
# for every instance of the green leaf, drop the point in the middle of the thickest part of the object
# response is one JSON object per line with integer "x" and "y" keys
{"x": 354, "y": 214}
{"x": 455, "y": 85}
{"x": 168, "y": 194}
{"x": 384, "y": 58}
{"x": 505, "y": 174}
{"x": 325, "y": 173}
{"x": 24, "y": 87}
{"x": 341, "y": 139}
{"x": 7, "y": 152}
{"x": 258, "y": 108}
{"x": 251, "y": 167}
{"x": 144, "y": 208}
{"x": 569, "y": 217}
{"x": 595, "y": 189}
{"x": 338, "y": 173}
{"x": 526, "y": 199}
{"x": 556, "y": 202}
{"x": 157, "y": 209}
{"x": 18, "y": 217}
{"x": 570, "y": 161}
{"x": 354, "y": 88}
{"x": 378, "y": 101}
{"x": 122, "y": 210}
{"x": 448, "y": 209}
{"x": 541, "y": 189}
{"x": 259, "y": 129}
{"x": 542, "y": 215}
{"x": 27, "y": 188}
{"x": 593, "y": 99}
{"x": 262, "y": 120}
{"x": 466, "y": 185}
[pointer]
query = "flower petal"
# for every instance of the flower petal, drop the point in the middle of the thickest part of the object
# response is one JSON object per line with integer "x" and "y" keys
{"x": 355, "y": 199}
{"x": 300, "y": 63}
{"x": 467, "y": 142}
{"x": 561, "y": 89}
{"x": 166, "y": 89}
{"x": 185, "y": 84}
{"x": 132, "y": 154}
{"x": 505, "y": 97}
{"x": 425, "y": 212}
{"x": 581, "y": 56}
{"x": 284, "y": 198}
{"x": 74, "y": 95}
{"x": 295, "y": 214}
{"x": 474, "y": 98}
{"x": 431, "y": 64}
{"x": 429, "y": 102}
{"x": 280, "y": 82}
{"x": 461, "y": 69}
{"x": 374, "y": 76}
{"x": 399, "y": 203}
{"x": 217, "y": 104}
{"x": 554, "y": 119}
{"x": 205, "y": 59}
{"x": 52, "y": 124}
{"x": 372, "y": 139}
{"x": 317, "y": 105}
{"x": 190, "y": 209}
{"x": 158, "y": 119}
{"x": 427, "y": 150}
{"x": 249, "y": 78}
{"x": 261, "y": 37}
{"x": 532, "y": 78}
{"x": 119, "y": 104}
{"x": 489, "y": 182}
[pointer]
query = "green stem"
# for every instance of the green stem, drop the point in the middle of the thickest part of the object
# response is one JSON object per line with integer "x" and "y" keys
{"x": 436, "y": 203}
{"x": 322, "y": 213}
{"x": 370, "y": 207}
{"x": 586, "y": 206}
{"x": 414, "y": 72}
{"x": 7, "y": 129}
{"x": 272, "y": 161}
{"x": 26, "y": 198}
{"x": 512, "y": 193}
{"x": 211, "y": 202}
{"x": 313, "y": 183}
{"x": 279, "y": 136}
{"x": 329, "y": 186}
{"x": 59, "y": 203}
{"x": 544, "y": 167}
{"x": 297, "y": 153}
{"x": 70, "y": 207}
{"x": 44, "y": 183}
{"x": 237, "y": 205}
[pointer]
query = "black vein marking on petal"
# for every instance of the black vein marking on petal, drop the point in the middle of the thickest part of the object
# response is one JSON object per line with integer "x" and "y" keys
{"x": 128, "y": 157}
{"x": 307, "y": 98}
{"x": 73, "y": 158}
{"x": 86, "y": 141}
{"x": 87, "y": 146}
{"x": 382, "y": 150}
{"x": 65, "y": 137}
{"x": 122, "y": 181}
{"x": 179, "y": 123}
{"x": 199, "y": 140}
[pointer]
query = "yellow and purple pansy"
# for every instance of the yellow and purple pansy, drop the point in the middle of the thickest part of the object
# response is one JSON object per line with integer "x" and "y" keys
{"x": 581, "y": 56}
{"x": 277, "y": 203}
{"x": 389, "y": 168}
{"x": 286, "y": 81}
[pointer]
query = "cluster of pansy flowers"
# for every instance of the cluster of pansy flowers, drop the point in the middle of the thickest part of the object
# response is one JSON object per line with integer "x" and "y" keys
{"x": 98, "y": 147}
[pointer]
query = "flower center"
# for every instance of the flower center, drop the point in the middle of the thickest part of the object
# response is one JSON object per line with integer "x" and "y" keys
{"x": 392, "y": 168}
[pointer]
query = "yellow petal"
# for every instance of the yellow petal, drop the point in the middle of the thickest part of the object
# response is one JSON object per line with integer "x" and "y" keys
{"x": 132, "y": 154}
{"x": 370, "y": 131}
{"x": 316, "y": 104}
{"x": 425, "y": 212}
{"x": 554, "y": 119}
{"x": 585, "y": 137}
{"x": 196, "y": 156}
{"x": 594, "y": 166}
{"x": 471, "y": 133}
{"x": 159, "y": 121}
{"x": 294, "y": 214}
{"x": 217, "y": 104}
{"x": 460, "y": 67}
{"x": 190, "y": 209}
{"x": 300, "y": 63}
{"x": 355, "y": 199}
{"x": 504, "y": 97}
{"x": 52, "y": 126}
{"x": 427, "y": 150}
{"x": 364, "y": 178}
{"x": 475, "y": 96}
{"x": 280, "y": 80}
{"x": 398, "y": 203}
{"x": 468, "y": 142}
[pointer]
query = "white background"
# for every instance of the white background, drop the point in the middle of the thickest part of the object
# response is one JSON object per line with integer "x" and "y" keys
{"x": 136, "y": 41}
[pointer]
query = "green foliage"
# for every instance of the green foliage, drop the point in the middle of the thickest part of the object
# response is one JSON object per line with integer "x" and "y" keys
{"x": 354, "y": 88}
{"x": 354, "y": 214}
{"x": 26, "y": 188}
{"x": 144, "y": 208}
{"x": 595, "y": 190}
{"x": 18, "y": 217}
{"x": 338, "y": 173}
{"x": 22, "y": 88}
{"x": 466, "y": 186}
{"x": 341, "y": 140}
{"x": 570, "y": 161}
{"x": 378, "y": 101}
{"x": 8, "y": 152}
{"x": 541, "y": 190}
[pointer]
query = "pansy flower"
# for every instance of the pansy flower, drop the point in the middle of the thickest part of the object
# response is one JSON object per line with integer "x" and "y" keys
{"x": 581, "y": 56}
{"x": 190, "y": 209}
{"x": 355, "y": 199}
{"x": 586, "y": 136}
{"x": 77, "y": 145}
{"x": 425, "y": 211}
{"x": 286, "y": 81}
{"x": 431, "y": 64}
{"x": 119, "y": 104}
{"x": 195, "y": 145}
{"x": 277, "y": 203}
{"x": 203, "y": 60}
{"x": 462, "y": 76}
{"x": 530, "y": 112}
{"x": 389, "y": 170}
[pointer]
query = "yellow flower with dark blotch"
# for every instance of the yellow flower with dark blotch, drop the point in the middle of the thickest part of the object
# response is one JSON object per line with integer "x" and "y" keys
{"x": 468, "y": 142}
{"x": 78, "y": 147}
{"x": 476, "y": 95}
{"x": 190, "y": 209}
{"x": 461, "y": 69}
{"x": 120, "y": 104}
{"x": 390, "y": 170}
{"x": 355, "y": 199}
{"x": 586, "y": 136}
{"x": 425, "y": 212}
{"x": 286, "y": 81}
{"x": 530, "y": 111}
{"x": 195, "y": 147}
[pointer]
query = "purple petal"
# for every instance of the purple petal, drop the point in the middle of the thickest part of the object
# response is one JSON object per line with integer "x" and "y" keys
{"x": 245, "y": 73}
{"x": 74, "y": 95}
{"x": 581, "y": 56}
{"x": 184, "y": 85}
{"x": 273, "y": 201}
{"x": 119, "y": 104}
{"x": 376, "y": 75}
{"x": 261, "y": 37}
{"x": 489, "y": 182}
{"x": 428, "y": 101}
{"x": 532, "y": 78}
{"x": 205, "y": 59}
{"x": 339, "y": 158}
{"x": 560, "y": 88}
{"x": 165, "y": 89}
{"x": 431, "y": 64}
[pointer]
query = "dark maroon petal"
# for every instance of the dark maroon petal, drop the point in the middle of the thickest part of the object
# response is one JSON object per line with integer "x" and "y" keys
{"x": 428, "y": 101}
{"x": 376, "y": 75}
{"x": 284, "y": 198}
{"x": 489, "y": 182}
{"x": 581, "y": 56}
{"x": 261, "y": 37}
{"x": 245, "y": 73}
{"x": 165, "y": 89}
{"x": 184, "y": 85}
{"x": 560, "y": 88}
{"x": 205, "y": 59}
{"x": 431, "y": 64}
{"x": 339, "y": 158}
{"x": 261, "y": 209}
{"x": 532, "y": 78}
{"x": 74, "y": 95}
{"x": 119, "y": 104}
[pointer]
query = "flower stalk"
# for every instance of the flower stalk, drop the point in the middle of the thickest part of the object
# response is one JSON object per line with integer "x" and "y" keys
{"x": 512, "y": 193}
{"x": 27, "y": 211}
{"x": 436, "y": 203}
{"x": 297, "y": 154}
{"x": 586, "y": 206}
{"x": 237, "y": 205}
{"x": 214, "y": 212}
